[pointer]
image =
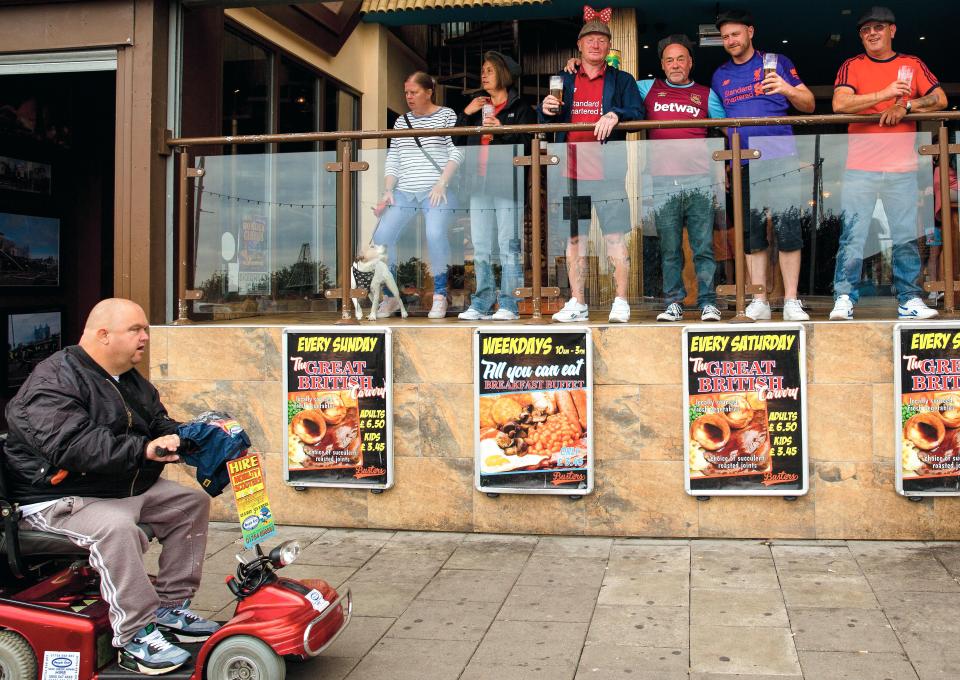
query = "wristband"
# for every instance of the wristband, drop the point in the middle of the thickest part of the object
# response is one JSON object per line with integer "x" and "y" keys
{"x": 908, "y": 106}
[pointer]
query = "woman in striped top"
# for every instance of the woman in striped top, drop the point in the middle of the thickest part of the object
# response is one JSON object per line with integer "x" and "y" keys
{"x": 416, "y": 179}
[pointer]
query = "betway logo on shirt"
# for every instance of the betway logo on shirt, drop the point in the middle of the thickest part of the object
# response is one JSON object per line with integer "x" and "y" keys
{"x": 673, "y": 107}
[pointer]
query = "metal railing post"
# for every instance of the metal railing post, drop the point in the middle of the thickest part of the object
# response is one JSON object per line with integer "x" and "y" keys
{"x": 345, "y": 166}
{"x": 942, "y": 149}
{"x": 740, "y": 288}
{"x": 536, "y": 292}
{"x": 184, "y": 173}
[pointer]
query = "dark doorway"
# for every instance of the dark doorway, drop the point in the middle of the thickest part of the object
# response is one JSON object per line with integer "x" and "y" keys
{"x": 56, "y": 212}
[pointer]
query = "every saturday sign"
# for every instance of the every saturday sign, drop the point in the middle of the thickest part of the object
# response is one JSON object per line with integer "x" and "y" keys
{"x": 253, "y": 507}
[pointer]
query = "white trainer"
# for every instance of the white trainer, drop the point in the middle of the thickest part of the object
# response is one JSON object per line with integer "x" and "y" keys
{"x": 915, "y": 308}
{"x": 619, "y": 311}
{"x": 503, "y": 315}
{"x": 388, "y": 307}
{"x": 439, "y": 308}
{"x": 472, "y": 314}
{"x": 793, "y": 311}
{"x": 673, "y": 312}
{"x": 758, "y": 310}
{"x": 572, "y": 311}
{"x": 842, "y": 309}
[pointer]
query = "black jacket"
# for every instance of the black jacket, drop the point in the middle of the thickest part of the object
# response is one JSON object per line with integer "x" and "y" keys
{"x": 501, "y": 179}
{"x": 514, "y": 112}
{"x": 70, "y": 415}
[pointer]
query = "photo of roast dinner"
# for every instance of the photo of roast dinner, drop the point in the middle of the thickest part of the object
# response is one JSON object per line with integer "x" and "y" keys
{"x": 327, "y": 434}
{"x": 533, "y": 431}
{"x": 729, "y": 436}
{"x": 931, "y": 438}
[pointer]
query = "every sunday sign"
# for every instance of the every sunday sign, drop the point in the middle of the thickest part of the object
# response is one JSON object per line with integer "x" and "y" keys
{"x": 745, "y": 407}
{"x": 533, "y": 406}
{"x": 927, "y": 409}
{"x": 338, "y": 403}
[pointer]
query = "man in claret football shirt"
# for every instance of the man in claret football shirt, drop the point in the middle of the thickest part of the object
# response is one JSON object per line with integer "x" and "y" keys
{"x": 603, "y": 95}
{"x": 882, "y": 160}
{"x": 772, "y": 185}
{"x": 681, "y": 168}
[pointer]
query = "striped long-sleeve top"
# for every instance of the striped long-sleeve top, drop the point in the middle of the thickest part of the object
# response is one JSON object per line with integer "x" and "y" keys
{"x": 406, "y": 161}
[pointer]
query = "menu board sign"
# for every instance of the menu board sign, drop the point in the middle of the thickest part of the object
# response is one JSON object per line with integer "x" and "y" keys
{"x": 927, "y": 409}
{"x": 533, "y": 410}
{"x": 337, "y": 407}
{"x": 745, "y": 406}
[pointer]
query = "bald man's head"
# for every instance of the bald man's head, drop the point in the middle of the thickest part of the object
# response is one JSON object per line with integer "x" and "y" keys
{"x": 115, "y": 335}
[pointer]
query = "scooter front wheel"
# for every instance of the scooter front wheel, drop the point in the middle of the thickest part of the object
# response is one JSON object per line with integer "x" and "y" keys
{"x": 16, "y": 657}
{"x": 243, "y": 657}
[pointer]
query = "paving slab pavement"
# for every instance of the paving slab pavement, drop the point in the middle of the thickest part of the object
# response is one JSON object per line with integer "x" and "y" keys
{"x": 439, "y": 606}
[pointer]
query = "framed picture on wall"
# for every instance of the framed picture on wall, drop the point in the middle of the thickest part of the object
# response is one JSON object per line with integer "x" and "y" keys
{"x": 31, "y": 338}
{"x": 31, "y": 177}
{"x": 29, "y": 250}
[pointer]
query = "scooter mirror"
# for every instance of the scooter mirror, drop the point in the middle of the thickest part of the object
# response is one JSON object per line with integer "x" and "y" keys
{"x": 285, "y": 553}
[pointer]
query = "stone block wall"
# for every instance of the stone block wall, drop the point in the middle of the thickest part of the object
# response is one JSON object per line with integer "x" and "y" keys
{"x": 638, "y": 437}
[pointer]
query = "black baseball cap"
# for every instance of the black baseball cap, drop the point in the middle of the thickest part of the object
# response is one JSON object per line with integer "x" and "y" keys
{"x": 675, "y": 39}
{"x": 734, "y": 16}
{"x": 877, "y": 13}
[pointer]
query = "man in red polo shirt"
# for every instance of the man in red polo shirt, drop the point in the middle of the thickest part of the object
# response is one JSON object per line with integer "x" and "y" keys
{"x": 603, "y": 95}
{"x": 882, "y": 160}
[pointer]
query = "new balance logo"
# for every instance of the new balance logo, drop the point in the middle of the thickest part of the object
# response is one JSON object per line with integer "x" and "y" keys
{"x": 673, "y": 107}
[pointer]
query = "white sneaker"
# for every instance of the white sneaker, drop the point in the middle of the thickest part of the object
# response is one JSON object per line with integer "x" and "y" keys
{"x": 503, "y": 315}
{"x": 914, "y": 308}
{"x": 673, "y": 312}
{"x": 439, "y": 308}
{"x": 388, "y": 307}
{"x": 842, "y": 309}
{"x": 572, "y": 311}
{"x": 793, "y": 311}
{"x": 472, "y": 315}
{"x": 709, "y": 313}
{"x": 758, "y": 310}
{"x": 619, "y": 311}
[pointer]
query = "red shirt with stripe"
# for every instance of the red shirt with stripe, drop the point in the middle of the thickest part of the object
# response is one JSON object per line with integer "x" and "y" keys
{"x": 889, "y": 148}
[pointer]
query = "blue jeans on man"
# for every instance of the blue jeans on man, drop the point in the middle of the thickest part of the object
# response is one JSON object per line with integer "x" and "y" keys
{"x": 437, "y": 218}
{"x": 898, "y": 192}
{"x": 678, "y": 200}
{"x": 495, "y": 217}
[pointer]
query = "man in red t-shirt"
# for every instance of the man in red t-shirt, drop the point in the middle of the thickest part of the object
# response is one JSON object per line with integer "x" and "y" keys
{"x": 882, "y": 160}
{"x": 596, "y": 173}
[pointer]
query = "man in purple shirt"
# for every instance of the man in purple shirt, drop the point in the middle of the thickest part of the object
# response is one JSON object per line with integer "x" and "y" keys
{"x": 772, "y": 186}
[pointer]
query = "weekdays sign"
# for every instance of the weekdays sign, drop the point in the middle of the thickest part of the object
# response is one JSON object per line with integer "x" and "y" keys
{"x": 337, "y": 415}
{"x": 745, "y": 405}
{"x": 927, "y": 409}
{"x": 533, "y": 410}
{"x": 253, "y": 507}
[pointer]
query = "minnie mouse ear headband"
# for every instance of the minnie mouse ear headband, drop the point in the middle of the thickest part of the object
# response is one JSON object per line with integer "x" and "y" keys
{"x": 596, "y": 22}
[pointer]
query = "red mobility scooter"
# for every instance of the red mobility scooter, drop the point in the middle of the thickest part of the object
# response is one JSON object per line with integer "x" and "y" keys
{"x": 54, "y": 624}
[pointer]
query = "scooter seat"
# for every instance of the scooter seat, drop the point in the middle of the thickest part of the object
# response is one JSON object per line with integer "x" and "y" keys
{"x": 46, "y": 544}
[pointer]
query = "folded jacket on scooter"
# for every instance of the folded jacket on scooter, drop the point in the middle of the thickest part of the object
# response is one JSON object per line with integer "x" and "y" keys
{"x": 207, "y": 442}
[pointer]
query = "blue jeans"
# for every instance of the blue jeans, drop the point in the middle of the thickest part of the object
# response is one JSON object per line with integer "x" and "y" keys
{"x": 495, "y": 216}
{"x": 898, "y": 191}
{"x": 685, "y": 199}
{"x": 438, "y": 219}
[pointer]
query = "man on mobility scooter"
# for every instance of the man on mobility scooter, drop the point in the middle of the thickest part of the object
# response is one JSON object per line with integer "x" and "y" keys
{"x": 88, "y": 441}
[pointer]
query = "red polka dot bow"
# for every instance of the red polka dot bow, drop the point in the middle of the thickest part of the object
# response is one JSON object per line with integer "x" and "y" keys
{"x": 590, "y": 14}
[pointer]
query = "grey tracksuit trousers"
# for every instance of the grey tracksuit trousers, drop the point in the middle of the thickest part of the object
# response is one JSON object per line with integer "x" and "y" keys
{"x": 108, "y": 528}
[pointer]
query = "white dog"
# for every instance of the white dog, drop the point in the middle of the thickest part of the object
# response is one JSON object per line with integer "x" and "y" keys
{"x": 370, "y": 271}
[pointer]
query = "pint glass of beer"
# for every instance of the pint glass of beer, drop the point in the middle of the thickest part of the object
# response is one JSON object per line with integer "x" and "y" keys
{"x": 905, "y": 73}
{"x": 556, "y": 88}
{"x": 769, "y": 64}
